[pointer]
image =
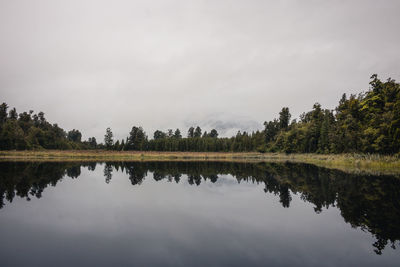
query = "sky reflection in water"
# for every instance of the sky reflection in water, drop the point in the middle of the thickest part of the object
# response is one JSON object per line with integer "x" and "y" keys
{"x": 196, "y": 214}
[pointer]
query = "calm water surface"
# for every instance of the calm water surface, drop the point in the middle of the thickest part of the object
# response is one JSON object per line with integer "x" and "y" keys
{"x": 196, "y": 214}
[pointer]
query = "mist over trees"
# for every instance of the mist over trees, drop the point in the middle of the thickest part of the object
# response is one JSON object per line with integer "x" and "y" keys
{"x": 368, "y": 122}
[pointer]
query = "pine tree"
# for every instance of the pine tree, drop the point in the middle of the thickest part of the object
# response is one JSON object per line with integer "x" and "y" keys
{"x": 3, "y": 113}
{"x": 190, "y": 132}
{"x": 197, "y": 132}
{"x": 213, "y": 133}
{"x": 284, "y": 118}
{"x": 108, "y": 139}
{"x": 177, "y": 134}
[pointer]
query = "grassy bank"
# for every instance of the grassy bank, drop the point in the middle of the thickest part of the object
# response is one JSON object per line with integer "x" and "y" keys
{"x": 346, "y": 162}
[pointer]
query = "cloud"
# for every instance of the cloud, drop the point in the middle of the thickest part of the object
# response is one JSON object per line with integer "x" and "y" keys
{"x": 225, "y": 124}
{"x": 158, "y": 64}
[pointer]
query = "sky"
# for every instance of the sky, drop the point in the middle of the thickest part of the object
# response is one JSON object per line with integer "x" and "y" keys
{"x": 229, "y": 65}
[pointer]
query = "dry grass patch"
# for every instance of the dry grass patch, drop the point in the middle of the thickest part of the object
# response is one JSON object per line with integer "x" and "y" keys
{"x": 347, "y": 162}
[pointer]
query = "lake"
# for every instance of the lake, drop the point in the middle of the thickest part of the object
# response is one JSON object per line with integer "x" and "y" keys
{"x": 195, "y": 214}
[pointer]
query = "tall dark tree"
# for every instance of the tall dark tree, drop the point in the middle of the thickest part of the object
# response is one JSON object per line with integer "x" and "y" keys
{"x": 13, "y": 114}
{"x": 190, "y": 132}
{"x": 159, "y": 135}
{"x": 137, "y": 139}
{"x": 92, "y": 142}
{"x": 3, "y": 113}
{"x": 197, "y": 132}
{"x": 366, "y": 123}
{"x": 284, "y": 118}
{"x": 74, "y": 135}
{"x": 108, "y": 139}
{"x": 213, "y": 133}
{"x": 271, "y": 130}
{"x": 177, "y": 133}
{"x": 117, "y": 145}
{"x": 170, "y": 133}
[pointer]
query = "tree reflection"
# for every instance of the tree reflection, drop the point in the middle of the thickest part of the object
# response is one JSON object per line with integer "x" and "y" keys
{"x": 74, "y": 171}
{"x": 108, "y": 172}
{"x": 30, "y": 179}
{"x": 366, "y": 201}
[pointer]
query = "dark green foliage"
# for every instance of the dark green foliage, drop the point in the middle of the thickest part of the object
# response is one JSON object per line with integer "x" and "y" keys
{"x": 159, "y": 135}
{"x": 92, "y": 143}
{"x": 108, "y": 139}
{"x": 3, "y": 113}
{"x": 137, "y": 139}
{"x": 117, "y": 146}
{"x": 209, "y": 142}
{"x": 74, "y": 136}
{"x": 367, "y": 123}
{"x": 271, "y": 130}
{"x": 197, "y": 132}
{"x": 170, "y": 133}
{"x": 190, "y": 132}
{"x": 284, "y": 118}
{"x": 213, "y": 133}
{"x": 177, "y": 133}
{"x": 14, "y": 115}
{"x": 31, "y": 131}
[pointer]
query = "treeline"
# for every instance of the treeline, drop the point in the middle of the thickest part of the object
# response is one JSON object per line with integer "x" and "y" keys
{"x": 196, "y": 140}
{"x": 28, "y": 130}
{"x": 368, "y": 122}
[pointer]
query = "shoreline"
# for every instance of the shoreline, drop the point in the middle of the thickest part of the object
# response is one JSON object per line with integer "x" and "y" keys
{"x": 358, "y": 163}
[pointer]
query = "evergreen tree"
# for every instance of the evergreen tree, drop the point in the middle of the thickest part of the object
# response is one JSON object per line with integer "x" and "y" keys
{"x": 170, "y": 133}
{"x": 159, "y": 135}
{"x": 117, "y": 146}
{"x": 137, "y": 139}
{"x": 92, "y": 142}
{"x": 197, "y": 132}
{"x": 122, "y": 147}
{"x": 213, "y": 133}
{"x": 108, "y": 139}
{"x": 177, "y": 133}
{"x": 191, "y": 132}
{"x": 366, "y": 123}
{"x": 271, "y": 130}
{"x": 74, "y": 135}
{"x": 284, "y": 118}
{"x": 13, "y": 114}
{"x": 3, "y": 113}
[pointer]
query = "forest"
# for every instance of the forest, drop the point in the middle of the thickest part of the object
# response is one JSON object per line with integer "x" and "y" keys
{"x": 365, "y": 123}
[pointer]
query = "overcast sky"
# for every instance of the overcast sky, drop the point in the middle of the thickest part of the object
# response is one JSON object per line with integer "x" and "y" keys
{"x": 166, "y": 64}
